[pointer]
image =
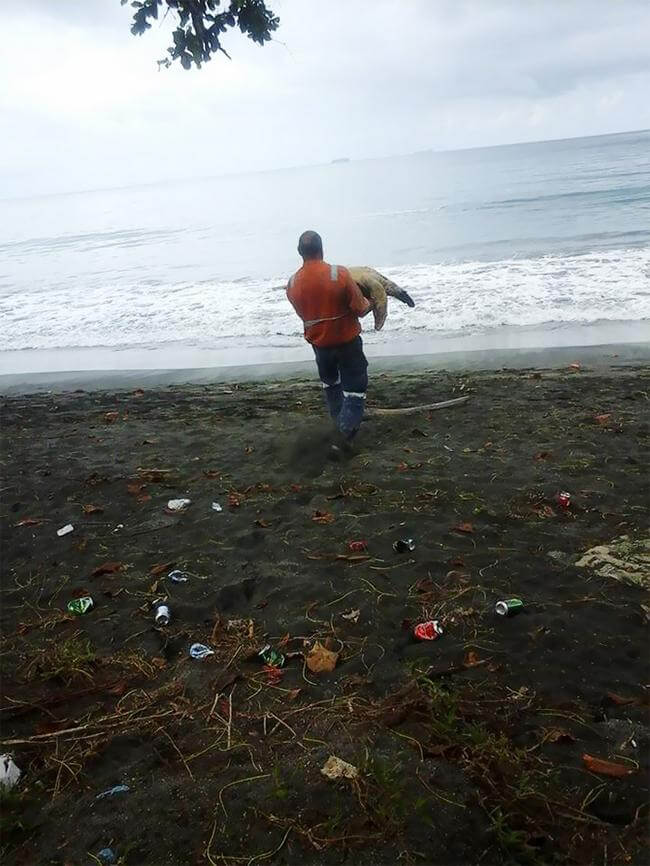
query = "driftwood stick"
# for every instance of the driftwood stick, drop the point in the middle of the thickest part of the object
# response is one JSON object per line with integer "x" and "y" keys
{"x": 413, "y": 410}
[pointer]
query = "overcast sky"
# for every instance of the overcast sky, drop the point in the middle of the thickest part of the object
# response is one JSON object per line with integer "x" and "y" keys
{"x": 83, "y": 105}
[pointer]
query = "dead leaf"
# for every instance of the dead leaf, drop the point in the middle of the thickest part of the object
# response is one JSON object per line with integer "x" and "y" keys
{"x": 160, "y": 568}
{"x": 29, "y": 521}
{"x": 264, "y": 524}
{"x": 471, "y": 660}
{"x": 292, "y": 694}
{"x": 296, "y": 488}
{"x": 323, "y": 517}
{"x": 603, "y": 420}
{"x": 135, "y": 488}
{"x": 544, "y": 511}
{"x": 159, "y": 662}
{"x": 621, "y": 701}
{"x": 352, "y": 615}
{"x": 542, "y": 456}
{"x": 559, "y": 735}
{"x": 107, "y": 568}
{"x": 402, "y": 467}
{"x": 111, "y": 417}
{"x": 321, "y": 660}
{"x": 335, "y": 768}
{"x": 606, "y": 768}
{"x": 464, "y": 527}
{"x": 211, "y": 473}
{"x": 234, "y": 500}
{"x": 92, "y": 509}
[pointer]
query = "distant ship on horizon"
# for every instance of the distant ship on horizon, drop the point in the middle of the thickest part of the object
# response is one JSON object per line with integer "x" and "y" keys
{"x": 341, "y": 159}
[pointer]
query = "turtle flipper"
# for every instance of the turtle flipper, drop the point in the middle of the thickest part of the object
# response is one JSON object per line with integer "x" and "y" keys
{"x": 373, "y": 289}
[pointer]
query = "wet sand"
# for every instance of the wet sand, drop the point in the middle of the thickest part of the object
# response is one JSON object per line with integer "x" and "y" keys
{"x": 468, "y": 748}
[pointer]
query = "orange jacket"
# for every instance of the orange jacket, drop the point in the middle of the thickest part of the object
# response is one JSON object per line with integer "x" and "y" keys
{"x": 328, "y": 301}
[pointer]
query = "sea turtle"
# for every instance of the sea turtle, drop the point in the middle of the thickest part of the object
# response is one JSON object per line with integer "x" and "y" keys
{"x": 376, "y": 287}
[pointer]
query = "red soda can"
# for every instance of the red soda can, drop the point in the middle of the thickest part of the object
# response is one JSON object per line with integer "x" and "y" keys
{"x": 357, "y": 546}
{"x": 564, "y": 499}
{"x": 428, "y": 630}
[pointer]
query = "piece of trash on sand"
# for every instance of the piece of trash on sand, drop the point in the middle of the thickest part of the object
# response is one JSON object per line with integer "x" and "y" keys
{"x": 271, "y": 657}
{"x": 175, "y": 505}
{"x": 321, "y": 660}
{"x": 509, "y": 606}
{"x": 352, "y": 615}
{"x": 161, "y": 612}
{"x": 403, "y": 544}
{"x": 563, "y": 499}
{"x": 335, "y": 768}
{"x": 65, "y": 530}
{"x": 428, "y": 630}
{"x": 216, "y": 507}
{"x": 81, "y": 605}
{"x": 200, "y": 651}
{"x": 117, "y": 789}
{"x": 106, "y": 856}
{"x": 29, "y": 521}
{"x": 178, "y": 576}
{"x": 357, "y": 546}
{"x": 118, "y": 528}
{"x": 9, "y": 772}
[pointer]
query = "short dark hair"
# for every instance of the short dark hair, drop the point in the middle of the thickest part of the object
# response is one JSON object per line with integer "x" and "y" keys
{"x": 310, "y": 245}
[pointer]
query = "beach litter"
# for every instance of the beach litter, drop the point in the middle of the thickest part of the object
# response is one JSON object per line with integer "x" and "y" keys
{"x": 9, "y": 772}
{"x": 117, "y": 789}
{"x": 321, "y": 660}
{"x": 606, "y": 768}
{"x": 106, "y": 856}
{"x": 271, "y": 657}
{"x": 178, "y": 576}
{"x": 336, "y": 768}
{"x": 428, "y": 630}
{"x": 563, "y": 499}
{"x": 81, "y": 605}
{"x": 352, "y": 615}
{"x": 162, "y": 614}
{"x": 176, "y": 505}
{"x": 65, "y": 530}
{"x": 200, "y": 651}
{"x": 509, "y": 607}
{"x": 216, "y": 506}
{"x": 402, "y": 545}
{"x": 357, "y": 546}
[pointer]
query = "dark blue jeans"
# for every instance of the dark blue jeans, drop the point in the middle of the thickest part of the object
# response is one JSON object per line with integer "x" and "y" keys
{"x": 343, "y": 372}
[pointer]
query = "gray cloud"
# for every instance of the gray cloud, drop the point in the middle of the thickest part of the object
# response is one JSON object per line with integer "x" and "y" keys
{"x": 362, "y": 79}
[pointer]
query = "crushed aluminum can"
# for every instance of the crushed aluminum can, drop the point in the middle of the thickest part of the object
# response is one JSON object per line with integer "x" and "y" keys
{"x": 65, "y": 530}
{"x": 428, "y": 630}
{"x": 357, "y": 546}
{"x": 9, "y": 772}
{"x": 403, "y": 544}
{"x": 81, "y": 605}
{"x": 178, "y": 576}
{"x": 200, "y": 651}
{"x": 216, "y": 507}
{"x": 178, "y": 504}
{"x": 509, "y": 606}
{"x": 106, "y": 856}
{"x": 118, "y": 789}
{"x": 563, "y": 499}
{"x": 162, "y": 614}
{"x": 271, "y": 657}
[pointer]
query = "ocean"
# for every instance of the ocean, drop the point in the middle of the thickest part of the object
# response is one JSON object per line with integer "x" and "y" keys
{"x": 521, "y": 239}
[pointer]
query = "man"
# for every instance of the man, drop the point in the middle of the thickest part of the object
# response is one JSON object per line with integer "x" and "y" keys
{"x": 329, "y": 303}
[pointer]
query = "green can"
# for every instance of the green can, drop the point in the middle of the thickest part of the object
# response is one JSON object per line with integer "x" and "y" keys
{"x": 81, "y": 605}
{"x": 509, "y": 606}
{"x": 271, "y": 657}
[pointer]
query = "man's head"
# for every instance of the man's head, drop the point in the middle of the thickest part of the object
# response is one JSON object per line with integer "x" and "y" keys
{"x": 310, "y": 245}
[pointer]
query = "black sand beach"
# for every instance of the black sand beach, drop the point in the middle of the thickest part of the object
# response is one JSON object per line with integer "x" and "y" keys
{"x": 476, "y": 747}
